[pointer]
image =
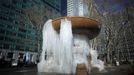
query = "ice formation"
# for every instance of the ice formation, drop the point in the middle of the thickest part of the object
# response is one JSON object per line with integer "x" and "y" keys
{"x": 49, "y": 61}
{"x": 96, "y": 62}
{"x": 80, "y": 51}
{"x": 62, "y": 52}
{"x": 57, "y": 48}
{"x": 66, "y": 46}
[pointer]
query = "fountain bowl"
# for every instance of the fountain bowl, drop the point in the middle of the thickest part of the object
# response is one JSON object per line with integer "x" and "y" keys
{"x": 80, "y": 25}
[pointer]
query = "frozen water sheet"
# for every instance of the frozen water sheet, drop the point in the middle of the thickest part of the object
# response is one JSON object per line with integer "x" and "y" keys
{"x": 56, "y": 53}
{"x": 61, "y": 52}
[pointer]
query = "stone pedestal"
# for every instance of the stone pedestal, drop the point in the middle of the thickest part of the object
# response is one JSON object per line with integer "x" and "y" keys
{"x": 81, "y": 69}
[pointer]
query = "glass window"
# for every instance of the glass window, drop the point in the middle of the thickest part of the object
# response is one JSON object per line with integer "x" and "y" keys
{"x": 6, "y": 5}
{"x": 16, "y": 22}
{"x": 1, "y": 46}
{"x": 2, "y": 25}
{"x": 17, "y": 47}
{"x": 9, "y": 26}
{"x": 22, "y": 30}
{"x": 14, "y": 1}
{"x": 2, "y": 31}
{"x": 3, "y": 18}
{"x": 21, "y": 35}
{"x": 15, "y": 28}
{"x": 12, "y": 46}
{"x": 6, "y": 46}
{"x": 1, "y": 38}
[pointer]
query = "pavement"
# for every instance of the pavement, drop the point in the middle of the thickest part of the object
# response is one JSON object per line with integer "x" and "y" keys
{"x": 116, "y": 70}
{"x": 112, "y": 70}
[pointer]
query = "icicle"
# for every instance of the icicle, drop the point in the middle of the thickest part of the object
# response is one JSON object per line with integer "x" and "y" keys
{"x": 62, "y": 52}
{"x": 66, "y": 45}
{"x": 96, "y": 62}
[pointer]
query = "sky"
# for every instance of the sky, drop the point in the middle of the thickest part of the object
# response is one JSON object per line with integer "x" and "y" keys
{"x": 112, "y": 6}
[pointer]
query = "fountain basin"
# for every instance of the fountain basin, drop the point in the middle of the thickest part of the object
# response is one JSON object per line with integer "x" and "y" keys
{"x": 66, "y": 52}
{"x": 80, "y": 25}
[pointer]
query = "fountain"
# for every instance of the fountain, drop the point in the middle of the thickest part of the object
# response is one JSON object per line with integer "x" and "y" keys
{"x": 66, "y": 45}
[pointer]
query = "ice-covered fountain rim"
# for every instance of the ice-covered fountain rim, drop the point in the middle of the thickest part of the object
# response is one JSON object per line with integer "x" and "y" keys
{"x": 77, "y": 22}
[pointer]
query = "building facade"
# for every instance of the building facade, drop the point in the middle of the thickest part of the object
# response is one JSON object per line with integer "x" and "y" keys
{"x": 19, "y": 36}
{"x": 77, "y": 8}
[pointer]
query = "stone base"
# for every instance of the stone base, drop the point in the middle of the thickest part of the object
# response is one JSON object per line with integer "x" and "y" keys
{"x": 81, "y": 69}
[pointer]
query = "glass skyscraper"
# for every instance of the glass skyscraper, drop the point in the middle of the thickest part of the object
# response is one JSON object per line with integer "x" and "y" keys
{"x": 18, "y": 32}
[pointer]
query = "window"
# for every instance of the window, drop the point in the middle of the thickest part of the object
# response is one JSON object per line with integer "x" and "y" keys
{"x": 12, "y": 47}
{"x": 15, "y": 28}
{"x": 1, "y": 38}
{"x": 2, "y": 25}
{"x": 1, "y": 46}
{"x": 14, "y": 1}
{"x": 21, "y": 35}
{"x": 16, "y": 22}
{"x": 22, "y": 30}
{"x": 23, "y": 6}
{"x": 25, "y": 1}
{"x": 2, "y": 31}
{"x": 9, "y": 26}
{"x": 6, "y": 5}
{"x": 3, "y": 18}
{"x": 10, "y": 33}
{"x": 6, "y": 46}
{"x": 10, "y": 19}
{"x": 17, "y": 47}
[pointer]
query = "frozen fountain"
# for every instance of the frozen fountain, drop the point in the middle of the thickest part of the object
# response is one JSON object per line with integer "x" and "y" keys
{"x": 96, "y": 62}
{"x": 66, "y": 44}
